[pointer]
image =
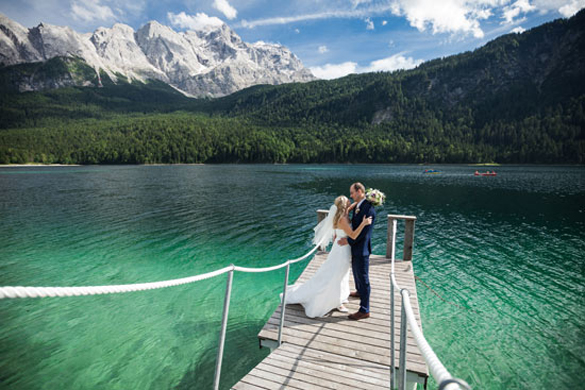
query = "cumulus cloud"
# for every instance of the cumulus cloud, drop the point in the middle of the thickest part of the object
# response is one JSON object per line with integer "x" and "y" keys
{"x": 511, "y": 12}
{"x": 518, "y": 30}
{"x": 572, "y": 8}
{"x": 454, "y": 17}
{"x": 224, "y": 7}
{"x": 91, "y": 10}
{"x": 323, "y": 49}
{"x": 446, "y": 16}
{"x": 334, "y": 71}
{"x": 200, "y": 21}
{"x": 369, "y": 24}
{"x": 395, "y": 62}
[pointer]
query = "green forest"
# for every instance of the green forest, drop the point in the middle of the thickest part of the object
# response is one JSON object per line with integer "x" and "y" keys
{"x": 518, "y": 99}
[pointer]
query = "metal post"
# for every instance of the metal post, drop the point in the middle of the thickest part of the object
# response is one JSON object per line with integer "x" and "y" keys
{"x": 226, "y": 308}
{"x": 283, "y": 304}
{"x": 403, "y": 340}
{"x": 392, "y": 342}
{"x": 392, "y": 311}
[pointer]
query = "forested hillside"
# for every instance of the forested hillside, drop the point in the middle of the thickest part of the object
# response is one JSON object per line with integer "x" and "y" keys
{"x": 518, "y": 99}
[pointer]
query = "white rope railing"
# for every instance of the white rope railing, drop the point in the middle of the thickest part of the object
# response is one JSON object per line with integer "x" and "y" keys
{"x": 445, "y": 380}
{"x": 282, "y": 265}
{"x": 43, "y": 292}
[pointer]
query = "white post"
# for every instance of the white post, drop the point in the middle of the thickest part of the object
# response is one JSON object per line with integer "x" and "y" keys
{"x": 392, "y": 311}
{"x": 403, "y": 341}
{"x": 283, "y": 305}
{"x": 226, "y": 309}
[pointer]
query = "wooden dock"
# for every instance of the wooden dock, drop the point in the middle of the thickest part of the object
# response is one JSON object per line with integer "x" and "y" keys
{"x": 335, "y": 352}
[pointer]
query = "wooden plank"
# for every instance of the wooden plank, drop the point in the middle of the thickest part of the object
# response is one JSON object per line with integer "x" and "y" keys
{"x": 291, "y": 366}
{"x": 305, "y": 373}
{"x": 408, "y": 239}
{"x": 345, "y": 372}
{"x": 246, "y": 386}
{"x": 334, "y": 352}
{"x": 353, "y": 371}
{"x": 339, "y": 321}
{"x": 363, "y": 339}
{"x": 348, "y": 348}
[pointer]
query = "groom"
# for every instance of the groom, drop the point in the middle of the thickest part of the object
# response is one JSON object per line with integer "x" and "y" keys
{"x": 361, "y": 248}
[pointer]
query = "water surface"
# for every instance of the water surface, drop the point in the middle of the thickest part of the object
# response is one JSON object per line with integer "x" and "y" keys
{"x": 504, "y": 253}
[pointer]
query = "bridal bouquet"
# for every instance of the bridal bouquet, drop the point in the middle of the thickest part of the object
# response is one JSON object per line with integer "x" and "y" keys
{"x": 375, "y": 197}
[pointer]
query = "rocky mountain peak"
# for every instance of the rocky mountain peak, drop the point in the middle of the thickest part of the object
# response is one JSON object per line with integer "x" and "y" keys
{"x": 210, "y": 61}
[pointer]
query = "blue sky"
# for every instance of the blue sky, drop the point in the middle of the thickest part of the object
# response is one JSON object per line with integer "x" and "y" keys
{"x": 331, "y": 37}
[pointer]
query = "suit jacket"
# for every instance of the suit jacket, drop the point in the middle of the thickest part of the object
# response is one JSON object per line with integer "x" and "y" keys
{"x": 362, "y": 245}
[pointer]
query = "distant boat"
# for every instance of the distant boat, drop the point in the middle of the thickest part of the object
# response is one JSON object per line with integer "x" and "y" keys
{"x": 432, "y": 171}
{"x": 488, "y": 173}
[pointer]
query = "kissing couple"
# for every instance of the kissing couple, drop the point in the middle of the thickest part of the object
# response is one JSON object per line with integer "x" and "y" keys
{"x": 328, "y": 288}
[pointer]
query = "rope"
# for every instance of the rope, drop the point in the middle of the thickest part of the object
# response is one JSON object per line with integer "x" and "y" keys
{"x": 42, "y": 292}
{"x": 282, "y": 265}
{"x": 460, "y": 382}
{"x": 438, "y": 370}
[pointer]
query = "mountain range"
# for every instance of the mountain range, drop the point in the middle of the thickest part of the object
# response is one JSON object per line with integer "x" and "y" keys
{"x": 210, "y": 62}
{"x": 518, "y": 99}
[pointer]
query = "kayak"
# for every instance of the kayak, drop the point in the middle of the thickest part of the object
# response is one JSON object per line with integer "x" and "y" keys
{"x": 485, "y": 174}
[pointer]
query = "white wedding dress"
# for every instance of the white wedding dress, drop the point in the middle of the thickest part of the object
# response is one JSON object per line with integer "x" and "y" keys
{"x": 328, "y": 288}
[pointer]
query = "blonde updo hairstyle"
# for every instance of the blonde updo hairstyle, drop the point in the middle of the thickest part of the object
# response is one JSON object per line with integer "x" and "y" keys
{"x": 341, "y": 204}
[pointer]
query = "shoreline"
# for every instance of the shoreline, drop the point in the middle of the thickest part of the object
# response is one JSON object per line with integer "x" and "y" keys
{"x": 36, "y": 165}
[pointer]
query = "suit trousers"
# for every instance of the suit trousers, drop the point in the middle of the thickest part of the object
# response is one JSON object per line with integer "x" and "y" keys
{"x": 360, "y": 266}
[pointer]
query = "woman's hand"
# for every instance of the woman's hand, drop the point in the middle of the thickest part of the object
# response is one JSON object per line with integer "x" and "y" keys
{"x": 367, "y": 220}
{"x": 352, "y": 206}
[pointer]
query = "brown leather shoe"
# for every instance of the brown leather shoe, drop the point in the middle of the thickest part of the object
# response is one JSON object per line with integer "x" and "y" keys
{"x": 358, "y": 315}
{"x": 354, "y": 294}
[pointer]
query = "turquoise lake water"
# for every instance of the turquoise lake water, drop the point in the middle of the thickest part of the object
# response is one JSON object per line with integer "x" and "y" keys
{"x": 506, "y": 254}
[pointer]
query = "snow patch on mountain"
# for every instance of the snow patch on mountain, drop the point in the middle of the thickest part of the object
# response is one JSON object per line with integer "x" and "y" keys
{"x": 211, "y": 61}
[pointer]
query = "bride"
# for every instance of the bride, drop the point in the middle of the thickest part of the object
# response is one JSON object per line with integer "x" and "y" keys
{"x": 328, "y": 288}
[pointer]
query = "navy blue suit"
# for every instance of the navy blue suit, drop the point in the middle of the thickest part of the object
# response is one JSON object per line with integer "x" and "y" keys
{"x": 361, "y": 248}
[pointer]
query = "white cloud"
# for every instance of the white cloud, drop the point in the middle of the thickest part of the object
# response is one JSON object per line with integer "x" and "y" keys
{"x": 357, "y": 3}
{"x": 454, "y": 17}
{"x": 334, "y": 71}
{"x": 395, "y": 62}
{"x": 323, "y": 49}
{"x": 446, "y": 16}
{"x": 518, "y": 30}
{"x": 572, "y": 8}
{"x": 224, "y": 7}
{"x": 200, "y": 21}
{"x": 297, "y": 31}
{"x": 511, "y": 12}
{"x": 91, "y": 10}
{"x": 369, "y": 24}
{"x": 330, "y": 14}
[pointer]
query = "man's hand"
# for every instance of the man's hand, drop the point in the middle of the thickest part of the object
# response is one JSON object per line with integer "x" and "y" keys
{"x": 342, "y": 241}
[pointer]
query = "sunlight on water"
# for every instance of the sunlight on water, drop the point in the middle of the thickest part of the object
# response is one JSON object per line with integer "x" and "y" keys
{"x": 505, "y": 255}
